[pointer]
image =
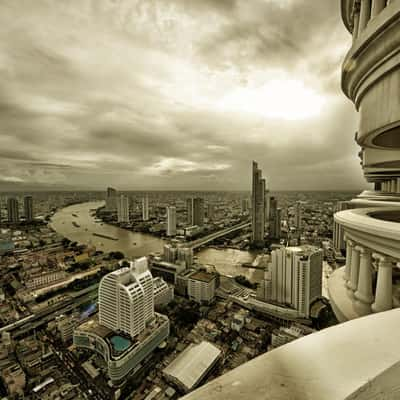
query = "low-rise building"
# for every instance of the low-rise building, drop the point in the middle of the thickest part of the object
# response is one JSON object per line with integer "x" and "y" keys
{"x": 192, "y": 365}
{"x": 201, "y": 287}
{"x": 14, "y": 379}
{"x": 122, "y": 354}
{"x": 285, "y": 335}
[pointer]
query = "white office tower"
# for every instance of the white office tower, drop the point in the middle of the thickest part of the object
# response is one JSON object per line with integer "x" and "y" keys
{"x": 111, "y": 199}
{"x": 171, "y": 221}
{"x": 293, "y": 278}
{"x": 126, "y": 298}
{"x": 123, "y": 209}
{"x": 145, "y": 208}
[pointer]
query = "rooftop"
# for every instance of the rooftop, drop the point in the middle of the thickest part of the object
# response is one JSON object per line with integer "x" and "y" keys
{"x": 190, "y": 367}
{"x": 119, "y": 343}
{"x": 203, "y": 276}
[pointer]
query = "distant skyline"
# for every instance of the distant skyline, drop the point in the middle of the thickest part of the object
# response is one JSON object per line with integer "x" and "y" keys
{"x": 174, "y": 95}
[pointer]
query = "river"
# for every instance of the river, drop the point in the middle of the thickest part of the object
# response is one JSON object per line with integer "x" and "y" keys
{"x": 134, "y": 244}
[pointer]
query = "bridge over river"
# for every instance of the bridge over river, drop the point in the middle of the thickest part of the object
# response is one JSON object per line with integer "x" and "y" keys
{"x": 209, "y": 238}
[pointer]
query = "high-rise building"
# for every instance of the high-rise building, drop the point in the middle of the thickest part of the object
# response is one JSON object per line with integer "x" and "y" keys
{"x": 145, "y": 208}
{"x": 258, "y": 207}
{"x": 245, "y": 205}
{"x": 126, "y": 298}
{"x": 185, "y": 256}
{"x": 195, "y": 211}
{"x": 28, "y": 208}
{"x": 298, "y": 216}
{"x": 198, "y": 211}
{"x": 126, "y": 313}
{"x": 189, "y": 209}
{"x": 170, "y": 253}
{"x": 210, "y": 211}
{"x": 171, "y": 221}
{"x": 111, "y": 199}
{"x": 293, "y": 278}
{"x": 123, "y": 209}
{"x": 274, "y": 219}
{"x": 12, "y": 210}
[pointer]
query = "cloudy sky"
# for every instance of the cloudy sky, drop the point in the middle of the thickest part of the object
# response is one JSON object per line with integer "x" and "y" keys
{"x": 174, "y": 94}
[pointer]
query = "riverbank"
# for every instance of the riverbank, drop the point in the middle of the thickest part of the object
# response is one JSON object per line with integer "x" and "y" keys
{"x": 226, "y": 261}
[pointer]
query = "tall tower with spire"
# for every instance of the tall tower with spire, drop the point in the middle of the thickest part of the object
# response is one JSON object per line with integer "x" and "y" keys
{"x": 258, "y": 206}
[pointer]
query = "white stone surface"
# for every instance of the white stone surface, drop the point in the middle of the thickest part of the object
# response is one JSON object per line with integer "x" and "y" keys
{"x": 354, "y": 360}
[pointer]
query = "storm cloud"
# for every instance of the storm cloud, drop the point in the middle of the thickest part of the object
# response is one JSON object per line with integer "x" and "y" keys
{"x": 174, "y": 94}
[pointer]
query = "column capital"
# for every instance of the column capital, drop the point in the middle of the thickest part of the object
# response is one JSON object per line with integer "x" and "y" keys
{"x": 349, "y": 242}
{"x": 361, "y": 249}
{"x": 364, "y": 250}
{"x": 384, "y": 261}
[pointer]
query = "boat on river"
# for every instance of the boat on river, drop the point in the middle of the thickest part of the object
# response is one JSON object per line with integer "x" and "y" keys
{"x": 104, "y": 236}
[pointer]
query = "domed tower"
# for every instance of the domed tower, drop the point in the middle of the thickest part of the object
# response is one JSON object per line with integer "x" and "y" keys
{"x": 370, "y": 281}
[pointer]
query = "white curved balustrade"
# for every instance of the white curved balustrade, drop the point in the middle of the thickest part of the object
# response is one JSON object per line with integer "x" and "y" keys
{"x": 366, "y": 284}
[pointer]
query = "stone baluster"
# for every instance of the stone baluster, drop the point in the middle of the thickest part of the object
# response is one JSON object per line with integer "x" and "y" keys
{"x": 384, "y": 288}
{"x": 365, "y": 14}
{"x": 354, "y": 271}
{"x": 356, "y": 19}
{"x": 394, "y": 185}
{"x": 364, "y": 296}
{"x": 398, "y": 185}
{"x": 347, "y": 268}
{"x": 377, "y": 7}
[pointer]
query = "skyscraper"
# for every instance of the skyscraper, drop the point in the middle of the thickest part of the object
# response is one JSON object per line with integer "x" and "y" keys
{"x": 298, "y": 216}
{"x": 189, "y": 208}
{"x": 195, "y": 211}
{"x": 258, "y": 207}
{"x": 210, "y": 211}
{"x": 293, "y": 278}
{"x": 126, "y": 298}
{"x": 245, "y": 205}
{"x": 274, "y": 219}
{"x": 145, "y": 208}
{"x": 111, "y": 199}
{"x": 171, "y": 221}
{"x": 12, "y": 210}
{"x": 28, "y": 208}
{"x": 123, "y": 209}
{"x": 198, "y": 211}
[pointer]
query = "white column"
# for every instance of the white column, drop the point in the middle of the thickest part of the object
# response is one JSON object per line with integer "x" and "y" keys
{"x": 394, "y": 185}
{"x": 377, "y": 7}
{"x": 347, "y": 268}
{"x": 364, "y": 294}
{"x": 356, "y": 20}
{"x": 398, "y": 185}
{"x": 355, "y": 268}
{"x": 383, "y": 294}
{"x": 365, "y": 14}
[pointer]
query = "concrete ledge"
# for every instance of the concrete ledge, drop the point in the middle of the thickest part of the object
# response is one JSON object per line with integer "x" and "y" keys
{"x": 354, "y": 360}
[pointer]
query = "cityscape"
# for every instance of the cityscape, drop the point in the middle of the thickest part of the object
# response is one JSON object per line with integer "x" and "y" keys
{"x": 261, "y": 283}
